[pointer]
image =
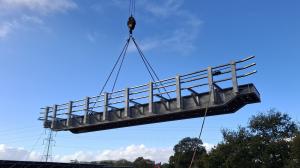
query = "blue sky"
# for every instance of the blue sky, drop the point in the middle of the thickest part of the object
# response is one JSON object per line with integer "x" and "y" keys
{"x": 60, "y": 50}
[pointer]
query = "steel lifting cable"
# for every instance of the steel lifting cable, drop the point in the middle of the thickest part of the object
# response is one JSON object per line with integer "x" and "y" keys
{"x": 111, "y": 72}
{"x": 131, "y": 7}
{"x": 131, "y": 24}
{"x": 117, "y": 76}
{"x": 149, "y": 67}
{"x": 201, "y": 130}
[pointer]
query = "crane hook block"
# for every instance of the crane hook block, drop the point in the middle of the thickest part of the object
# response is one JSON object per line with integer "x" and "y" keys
{"x": 131, "y": 24}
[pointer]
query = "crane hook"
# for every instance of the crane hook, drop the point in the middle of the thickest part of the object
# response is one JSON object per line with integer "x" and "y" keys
{"x": 131, "y": 24}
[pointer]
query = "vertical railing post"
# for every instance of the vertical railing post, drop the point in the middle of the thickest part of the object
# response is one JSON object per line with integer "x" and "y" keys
{"x": 105, "y": 112}
{"x": 46, "y": 116}
{"x": 234, "y": 78}
{"x": 54, "y": 116}
{"x": 178, "y": 92}
{"x": 126, "y": 97}
{"x": 150, "y": 97}
{"x": 70, "y": 109}
{"x": 211, "y": 85}
{"x": 86, "y": 110}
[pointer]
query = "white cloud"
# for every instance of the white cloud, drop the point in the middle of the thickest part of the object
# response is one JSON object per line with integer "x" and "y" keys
{"x": 208, "y": 146}
{"x": 5, "y": 29}
{"x": 19, "y": 14}
{"x": 92, "y": 36}
{"x": 129, "y": 153}
{"x": 180, "y": 36}
{"x": 164, "y": 9}
{"x": 41, "y": 6}
{"x": 11, "y": 153}
{"x": 8, "y": 27}
{"x": 32, "y": 19}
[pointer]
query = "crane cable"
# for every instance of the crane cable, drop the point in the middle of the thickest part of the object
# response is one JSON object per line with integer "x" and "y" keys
{"x": 131, "y": 25}
{"x": 131, "y": 8}
{"x": 201, "y": 129}
{"x": 120, "y": 60}
{"x": 111, "y": 72}
{"x": 149, "y": 67}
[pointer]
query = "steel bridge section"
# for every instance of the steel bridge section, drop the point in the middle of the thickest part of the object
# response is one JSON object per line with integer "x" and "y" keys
{"x": 175, "y": 98}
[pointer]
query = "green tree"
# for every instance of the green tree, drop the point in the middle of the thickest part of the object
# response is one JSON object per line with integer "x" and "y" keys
{"x": 165, "y": 165}
{"x": 264, "y": 143}
{"x": 296, "y": 149}
{"x": 295, "y": 155}
{"x": 140, "y": 162}
{"x": 123, "y": 162}
{"x": 183, "y": 153}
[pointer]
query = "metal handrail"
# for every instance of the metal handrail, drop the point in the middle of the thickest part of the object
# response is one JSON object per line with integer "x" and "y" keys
{"x": 142, "y": 91}
{"x": 164, "y": 86}
{"x": 195, "y": 79}
{"x": 141, "y": 97}
{"x": 138, "y": 92}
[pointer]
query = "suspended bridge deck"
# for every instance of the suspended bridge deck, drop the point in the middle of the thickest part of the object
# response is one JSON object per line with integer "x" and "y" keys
{"x": 181, "y": 97}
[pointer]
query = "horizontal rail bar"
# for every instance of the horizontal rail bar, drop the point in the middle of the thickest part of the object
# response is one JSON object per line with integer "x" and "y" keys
{"x": 97, "y": 106}
{"x": 76, "y": 101}
{"x": 195, "y": 79}
{"x": 79, "y": 105}
{"x": 246, "y": 59}
{"x": 93, "y": 102}
{"x": 220, "y": 66}
{"x": 116, "y": 102}
{"x": 99, "y": 101}
{"x": 192, "y": 73}
{"x": 223, "y": 80}
{"x": 60, "y": 109}
{"x": 139, "y": 86}
{"x": 225, "y": 72}
{"x": 164, "y": 86}
{"x": 116, "y": 97}
{"x": 161, "y": 81}
{"x": 74, "y": 111}
{"x": 142, "y": 91}
{"x": 141, "y": 97}
{"x": 98, "y": 96}
{"x": 199, "y": 85}
{"x": 246, "y": 67}
{"x": 65, "y": 104}
{"x": 192, "y": 76}
{"x": 247, "y": 74}
{"x": 118, "y": 91}
{"x": 165, "y": 92}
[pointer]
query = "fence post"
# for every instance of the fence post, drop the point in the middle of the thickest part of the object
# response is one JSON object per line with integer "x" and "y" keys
{"x": 127, "y": 109}
{"x": 211, "y": 85}
{"x": 86, "y": 110}
{"x": 150, "y": 97}
{"x": 178, "y": 92}
{"x": 54, "y": 116}
{"x": 234, "y": 78}
{"x": 69, "y": 113}
{"x": 105, "y": 112}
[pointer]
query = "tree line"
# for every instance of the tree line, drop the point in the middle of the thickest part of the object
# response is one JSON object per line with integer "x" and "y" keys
{"x": 270, "y": 140}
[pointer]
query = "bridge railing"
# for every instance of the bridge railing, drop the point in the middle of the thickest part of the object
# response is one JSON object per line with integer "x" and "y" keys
{"x": 205, "y": 80}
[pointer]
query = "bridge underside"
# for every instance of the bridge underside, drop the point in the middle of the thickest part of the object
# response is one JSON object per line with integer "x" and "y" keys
{"x": 225, "y": 101}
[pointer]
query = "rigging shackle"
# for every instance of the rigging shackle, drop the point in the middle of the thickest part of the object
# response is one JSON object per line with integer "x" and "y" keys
{"x": 131, "y": 24}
